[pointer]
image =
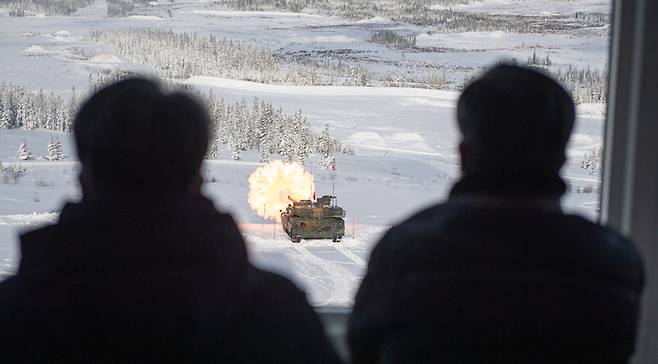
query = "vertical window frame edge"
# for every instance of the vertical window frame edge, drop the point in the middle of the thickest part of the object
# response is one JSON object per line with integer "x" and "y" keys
{"x": 629, "y": 199}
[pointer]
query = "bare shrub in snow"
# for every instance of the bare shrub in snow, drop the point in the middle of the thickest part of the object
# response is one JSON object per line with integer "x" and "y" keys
{"x": 11, "y": 174}
{"x": 593, "y": 162}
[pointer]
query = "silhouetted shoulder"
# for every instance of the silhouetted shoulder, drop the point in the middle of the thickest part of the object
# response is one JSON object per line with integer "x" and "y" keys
{"x": 294, "y": 333}
{"x": 457, "y": 233}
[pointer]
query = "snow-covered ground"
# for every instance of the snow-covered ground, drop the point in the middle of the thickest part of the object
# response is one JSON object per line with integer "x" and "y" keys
{"x": 534, "y": 7}
{"x": 405, "y": 142}
{"x": 29, "y": 43}
{"x": 405, "y": 139}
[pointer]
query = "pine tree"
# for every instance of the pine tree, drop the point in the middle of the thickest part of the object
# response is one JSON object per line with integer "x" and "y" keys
{"x": 6, "y": 110}
{"x": 265, "y": 131}
{"x": 288, "y": 139}
{"x": 236, "y": 153}
{"x": 72, "y": 109}
{"x": 40, "y": 106}
{"x": 62, "y": 115}
{"x": 30, "y": 115}
{"x": 59, "y": 151}
{"x": 51, "y": 150}
{"x": 21, "y": 108}
{"x": 254, "y": 119}
{"x": 241, "y": 126}
{"x": 326, "y": 149}
{"x": 55, "y": 151}
{"x": 304, "y": 138}
{"x": 278, "y": 131}
{"x": 24, "y": 152}
{"x": 222, "y": 112}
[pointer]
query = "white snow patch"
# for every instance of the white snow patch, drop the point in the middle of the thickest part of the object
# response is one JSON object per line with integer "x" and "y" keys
{"x": 28, "y": 219}
{"x": 63, "y": 36}
{"x": 105, "y": 59}
{"x": 329, "y": 272}
{"x": 324, "y": 39}
{"x": 143, "y": 17}
{"x": 252, "y": 14}
{"x": 369, "y": 138}
{"x": 35, "y": 50}
{"x": 375, "y": 20}
{"x": 534, "y": 7}
{"x": 321, "y": 90}
{"x": 592, "y": 110}
{"x": 440, "y": 7}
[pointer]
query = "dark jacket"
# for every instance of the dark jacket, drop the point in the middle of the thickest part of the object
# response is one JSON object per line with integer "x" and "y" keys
{"x": 149, "y": 281}
{"x": 484, "y": 278}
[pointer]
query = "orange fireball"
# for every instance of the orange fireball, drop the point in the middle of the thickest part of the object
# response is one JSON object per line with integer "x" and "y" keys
{"x": 272, "y": 187}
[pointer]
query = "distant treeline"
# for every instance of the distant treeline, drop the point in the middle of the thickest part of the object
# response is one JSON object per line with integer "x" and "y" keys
{"x": 270, "y": 131}
{"x": 181, "y": 55}
{"x": 436, "y": 13}
{"x": 50, "y": 7}
{"x": 586, "y": 85}
{"x": 236, "y": 127}
{"x": 20, "y": 108}
{"x": 117, "y": 8}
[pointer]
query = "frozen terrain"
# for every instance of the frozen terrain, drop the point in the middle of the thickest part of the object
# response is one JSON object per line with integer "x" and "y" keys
{"x": 398, "y": 168}
{"x": 405, "y": 139}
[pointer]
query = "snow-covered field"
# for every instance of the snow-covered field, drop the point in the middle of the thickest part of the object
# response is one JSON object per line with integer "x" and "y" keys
{"x": 405, "y": 139}
{"x": 534, "y": 7}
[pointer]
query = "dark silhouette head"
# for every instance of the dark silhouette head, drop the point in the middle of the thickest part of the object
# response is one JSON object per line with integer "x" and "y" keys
{"x": 134, "y": 138}
{"x": 515, "y": 122}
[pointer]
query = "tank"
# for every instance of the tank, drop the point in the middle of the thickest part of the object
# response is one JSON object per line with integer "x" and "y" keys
{"x": 321, "y": 219}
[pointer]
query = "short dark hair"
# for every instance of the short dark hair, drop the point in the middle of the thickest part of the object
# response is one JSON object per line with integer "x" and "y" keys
{"x": 133, "y": 136}
{"x": 515, "y": 121}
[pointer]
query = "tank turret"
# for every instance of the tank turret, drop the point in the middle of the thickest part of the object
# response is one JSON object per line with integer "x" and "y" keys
{"x": 307, "y": 219}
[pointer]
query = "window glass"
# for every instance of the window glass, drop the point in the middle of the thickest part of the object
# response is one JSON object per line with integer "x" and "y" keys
{"x": 360, "y": 95}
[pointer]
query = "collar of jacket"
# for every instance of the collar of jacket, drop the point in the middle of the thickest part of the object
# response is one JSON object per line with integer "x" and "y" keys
{"x": 511, "y": 188}
{"x": 185, "y": 231}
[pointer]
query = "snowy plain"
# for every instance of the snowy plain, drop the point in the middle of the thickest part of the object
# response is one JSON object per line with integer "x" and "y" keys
{"x": 405, "y": 139}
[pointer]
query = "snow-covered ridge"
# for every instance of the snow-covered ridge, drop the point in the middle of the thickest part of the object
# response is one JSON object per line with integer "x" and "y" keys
{"x": 532, "y": 7}
{"x": 250, "y": 14}
{"x": 448, "y": 96}
{"x": 143, "y": 17}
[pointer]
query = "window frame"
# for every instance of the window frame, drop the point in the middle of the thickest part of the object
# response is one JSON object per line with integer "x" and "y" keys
{"x": 629, "y": 198}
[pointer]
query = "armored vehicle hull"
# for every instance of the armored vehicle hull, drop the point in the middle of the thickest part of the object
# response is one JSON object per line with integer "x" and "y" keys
{"x": 307, "y": 219}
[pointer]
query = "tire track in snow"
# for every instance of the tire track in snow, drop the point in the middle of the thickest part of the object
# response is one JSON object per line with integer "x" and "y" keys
{"x": 344, "y": 282}
{"x": 350, "y": 255}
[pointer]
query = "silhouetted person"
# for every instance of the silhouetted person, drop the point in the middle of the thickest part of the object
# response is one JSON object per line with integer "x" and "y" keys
{"x": 498, "y": 273}
{"x": 145, "y": 269}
